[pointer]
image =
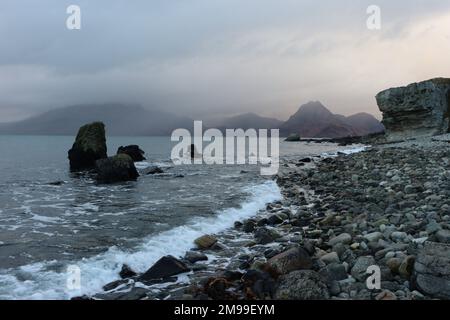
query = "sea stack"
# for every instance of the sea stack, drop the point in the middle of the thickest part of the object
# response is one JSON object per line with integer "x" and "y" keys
{"x": 417, "y": 110}
{"x": 89, "y": 146}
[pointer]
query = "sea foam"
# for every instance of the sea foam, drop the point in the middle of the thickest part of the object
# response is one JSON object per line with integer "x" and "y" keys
{"x": 40, "y": 281}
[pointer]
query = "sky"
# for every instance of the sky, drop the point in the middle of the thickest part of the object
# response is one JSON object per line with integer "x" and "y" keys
{"x": 212, "y": 58}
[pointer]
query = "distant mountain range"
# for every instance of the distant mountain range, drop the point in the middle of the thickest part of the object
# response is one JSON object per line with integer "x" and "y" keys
{"x": 312, "y": 120}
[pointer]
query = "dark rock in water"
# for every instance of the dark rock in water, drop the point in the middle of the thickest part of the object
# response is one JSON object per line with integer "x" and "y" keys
{"x": 133, "y": 151}
{"x": 113, "y": 285}
{"x": 290, "y": 260}
{"x": 265, "y": 236}
{"x": 135, "y": 293}
{"x": 249, "y": 226}
{"x": 126, "y": 272}
{"x": 165, "y": 267}
{"x": 116, "y": 169}
{"x": 81, "y": 298}
{"x": 153, "y": 170}
{"x": 432, "y": 270}
{"x": 89, "y": 146}
{"x": 194, "y": 256}
{"x": 302, "y": 285}
{"x": 205, "y": 242}
{"x": 306, "y": 160}
{"x": 275, "y": 219}
{"x": 293, "y": 138}
{"x": 56, "y": 183}
{"x": 419, "y": 109}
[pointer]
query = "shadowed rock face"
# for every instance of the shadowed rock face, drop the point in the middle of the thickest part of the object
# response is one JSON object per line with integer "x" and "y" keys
{"x": 89, "y": 146}
{"x": 116, "y": 169}
{"x": 417, "y": 110}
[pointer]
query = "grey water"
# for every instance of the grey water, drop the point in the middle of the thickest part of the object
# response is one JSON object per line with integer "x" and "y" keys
{"x": 50, "y": 218}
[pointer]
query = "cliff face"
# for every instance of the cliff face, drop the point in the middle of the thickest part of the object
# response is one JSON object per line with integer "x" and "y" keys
{"x": 417, "y": 110}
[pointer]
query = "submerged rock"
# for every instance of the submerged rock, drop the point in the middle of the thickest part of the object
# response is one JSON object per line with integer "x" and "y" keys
{"x": 417, "y": 110}
{"x": 133, "y": 151}
{"x": 165, "y": 267}
{"x": 126, "y": 272}
{"x": 116, "y": 169}
{"x": 89, "y": 146}
{"x": 153, "y": 170}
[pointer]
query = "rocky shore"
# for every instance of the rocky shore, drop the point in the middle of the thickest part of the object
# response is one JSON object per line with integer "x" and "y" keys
{"x": 386, "y": 207}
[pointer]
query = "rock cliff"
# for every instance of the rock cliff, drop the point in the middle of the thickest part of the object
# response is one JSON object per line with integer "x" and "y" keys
{"x": 417, "y": 110}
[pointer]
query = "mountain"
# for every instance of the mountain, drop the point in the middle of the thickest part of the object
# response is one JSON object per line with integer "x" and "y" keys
{"x": 365, "y": 123}
{"x": 314, "y": 120}
{"x": 247, "y": 121}
{"x": 120, "y": 120}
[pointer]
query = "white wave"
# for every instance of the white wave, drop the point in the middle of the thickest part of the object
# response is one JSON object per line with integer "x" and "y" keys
{"x": 99, "y": 270}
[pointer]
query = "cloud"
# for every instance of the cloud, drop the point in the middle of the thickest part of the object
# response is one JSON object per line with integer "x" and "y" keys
{"x": 216, "y": 56}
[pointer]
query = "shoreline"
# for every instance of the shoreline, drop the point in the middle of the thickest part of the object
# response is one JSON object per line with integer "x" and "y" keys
{"x": 339, "y": 216}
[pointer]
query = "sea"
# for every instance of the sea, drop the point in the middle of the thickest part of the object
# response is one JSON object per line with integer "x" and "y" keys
{"x": 52, "y": 219}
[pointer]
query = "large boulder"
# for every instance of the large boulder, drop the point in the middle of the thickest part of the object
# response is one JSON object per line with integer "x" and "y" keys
{"x": 165, "y": 267}
{"x": 291, "y": 260}
{"x": 432, "y": 270}
{"x": 89, "y": 146}
{"x": 417, "y": 110}
{"x": 302, "y": 285}
{"x": 133, "y": 151}
{"x": 116, "y": 169}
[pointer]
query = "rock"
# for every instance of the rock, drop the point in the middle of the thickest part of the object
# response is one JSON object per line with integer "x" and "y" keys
{"x": 331, "y": 257}
{"x": 419, "y": 109}
{"x": 133, "y": 151}
{"x": 165, "y": 267}
{"x": 259, "y": 285}
{"x": 291, "y": 260}
{"x": 344, "y": 238}
{"x": 153, "y": 170}
{"x": 249, "y": 226}
{"x": 359, "y": 270}
{"x": 293, "y": 138}
{"x": 394, "y": 264}
{"x": 274, "y": 220}
{"x": 194, "y": 256}
{"x": 406, "y": 267}
{"x": 216, "y": 289}
{"x": 205, "y": 242}
{"x": 386, "y": 295}
{"x": 126, "y": 272}
{"x": 373, "y": 237}
{"x": 265, "y": 235}
{"x": 115, "y": 284}
{"x": 89, "y": 146}
{"x": 302, "y": 285}
{"x": 443, "y": 236}
{"x": 116, "y": 169}
{"x": 334, "y": 272}
{"x": 431, "y": 270}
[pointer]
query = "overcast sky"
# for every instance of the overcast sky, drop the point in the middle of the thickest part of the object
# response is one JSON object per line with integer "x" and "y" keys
{"x": 216, "y": 57}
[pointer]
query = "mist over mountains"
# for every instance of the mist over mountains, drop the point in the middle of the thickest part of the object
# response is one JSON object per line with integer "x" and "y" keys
{"x": 312, "y": 120}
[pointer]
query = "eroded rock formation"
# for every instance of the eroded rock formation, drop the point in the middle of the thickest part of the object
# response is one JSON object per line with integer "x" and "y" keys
{"x": 417, "y": 110}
